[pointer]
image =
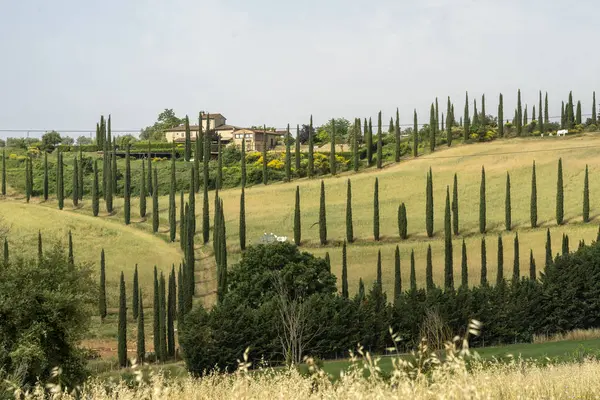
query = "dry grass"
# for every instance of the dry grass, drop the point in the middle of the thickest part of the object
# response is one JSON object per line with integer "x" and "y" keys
{"x": 576, "y": 334}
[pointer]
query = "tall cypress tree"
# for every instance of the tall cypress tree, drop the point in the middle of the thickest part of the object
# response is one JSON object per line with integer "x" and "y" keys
{"x": 143, "y": 193}
{"x": 75, "y": 184}
{"x": 135, "y": 294}
{"x": 559, "y": 195}
{"x": 548, "y": 249}
{"x": 243, "y": 220}
{"x": 182, "y": 222}
{"x": 219, "y": 184}
{"x": 379, "y": 142}
{"x": 297, "y": 157}
{"x": 507, "y": 205}
{"x": 127, "y": 189}
{"x": 429, "y": 204}
{"x": 113, "y": 169}
{"x": 516, "y": 262}
{"x": 432, "y": 123}
{"x": 4, "y": 174}
{"x": 109, "y": 187}
{"x": 532, "y": 271}
{"x": 546, "y": 117}
{"x": 565, "y": 244}
{"x": 172, "y": 206}
{"x": 569, "y": 114}
{"x": 311, "y": 158}
{"x": 95, "y": 195}
{"x": 540, "y": 117}
{"x": 376, "y": 210}
{"x": 149, "y": 177}
{"x": 466, "y": 119}
{"x": 519, "y": 114}
{"x": 397, "y": 136}
{"x": 188, "y": 143}
{"x": 482, "y": 203}
{"x": 45, "y": 176}
{"x": 70, "y": 256}
{"x": 594, "y": 115}
{"x": 533, "y": 115}
{"x": 578, "y": 113}
{"x": 586, "y": 197}
{"x": 243, "y": 162}
{"x": 288, "y": 154}
{"x": 181, "y": 305}
{"x": 464, "y": 266}
{"x": 369, "y": 142}
{"x": 297, "y": 221}
{"x": 525, "y": 118}
{"x": 563, "y": 120}
{"x": 122, "y": 328}
{"x": 413, "y": 273}
{"x": 500, "y": 116}
{"x": 60, "y": 189}
{"x": 415, "y": 135}
{"x": 533, "y": 202}
{"x": 448, "y": 257}
{"x": 379, "y": 274}
{"x": 155, "y": 219}
{"x": 102, "y": 290}
{"x": 402, "y": 222}
{"x": 27, "y": 180}
{"x": 332, "y": 166}
{"x": 141, "y": 337}
{"x": 344, "y": 272}
{"x": 475, "y": 114}
{"x": 156, "y": 316}
{"x": 449, "y": 122}
{"x": 162, "y": 321}
{"x": 397, "y": 277}
{"x": 198, "y": 154}
{"x": 455, "y": 206}
{"x": 192, "y": 203}
{"x": 349, "y": 224}
{"x": 205, "y": 214}
{"x": 171, "y": 301}
{"x": 500, "y": 270}
{"x": 483, "y": 280}
{"x": 322, "y": 216}
{"x": 429, "y": 270}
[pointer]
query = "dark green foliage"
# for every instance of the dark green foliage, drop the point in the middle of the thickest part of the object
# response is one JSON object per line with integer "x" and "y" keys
{"x": 143, "y": 193}
{"x": 162, "y": 320}
{"x": 243, "y": 161}
{"x": 172, "y": 206}
{"x": 156, "y": 315}
{"x": 548, "y": 249}
{"x": 349, "y": 225}
{"x": 570, "y": 117}
{"x": 297, "y": 221}
{"x": 192, "y": 203}
{"x": 559, "y": 195}
{"x": 332, "y": 148}
{"x": 198, "y": 154}
{"x": 415, "y": 135}
{"x": 500, "y": 116}
{"x": 525, "y": 119}
{"x": 4, "y": 174}
{"x": 219, "y": 183}
{"x": 109, "y": 186}
{"x": 188, "y": 143}
{"x": 150, "y": 186}
{"x": 532, "y": 271}
{"x": 379, "y": 142}
{"x": 402, "y": 221}
{"x": 265, "y": 170}
{"x": 60, "y": 186}
{"x": 311, "y": 160}
{"x": 75, "y": 189}
{"x": 507, "y": 205}
{"x": 516, "y": 262}
{"x": 429, "y": 270}
{"x": 533, "y": 202}
{"x": 297, "y": 157}
{"x": 369, "y": 142}
{"x": 122, "y": 325}
{"x": 432, "y": 124}
{"x": 546, "y": 117}
{"x": 155, "y": 219}
{"x": 482, "y": 203}
{"x": 379, "y": 280}
{"x": 376, "y": 210}
{"x": 563, "y": 122}
{"x": 328, "y": 261}
{"x": 40, "y": 248}
{"x": 27, "y": 180}
{"x": 397, "y": 137}
{"x": 344, "y": 272}
{"x": 45, "y": 176}
{"x": 141, "y": 337}
{"x": 182, "y": 222}
{"x": 113, "y": 170}
{"x": 288, "y": 154}
{"x": 102, "y": 287}
{"x": 95, "y": 194}
{"x": 449, "y": 122}
{"x": 205, "y": 216}
{"x": 565, "y": 244}
{"x": 413, "y": 273}
{"x": 181, "y": 295}
{"x": 397, "y": 277}
{"x": 464, "y": 266}
{"x": 127, "y": 189}
{"x": 519, "y": 122}
{"x": 243, "y": 221}
{"x": 322, "y": 216}
{"x": 171, "y": 314}
{"x": 70, "y": 256}
{"x": 483, "y": 280}
{"x": 429, "y": 204}
{"x": 586, "y": 197}
{"x": 455, "y": 206}
{"x": 448, "y": 256}
{"x": 540, "y": 117}
{"x": 135, "y": 294}
{"x": 594, "y": 115}
{"x": 500, "y": 263}
{"x": 466, "y": 119}
{"x": 578, "y": 114}
{"x": 5, "y": 254}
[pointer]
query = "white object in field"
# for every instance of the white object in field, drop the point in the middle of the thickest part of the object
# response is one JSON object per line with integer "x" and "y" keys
{"x": 562, "y": 132}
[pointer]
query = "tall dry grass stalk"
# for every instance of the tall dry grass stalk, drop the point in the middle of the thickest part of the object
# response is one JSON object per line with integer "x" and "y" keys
{"x": 576, "y": 334}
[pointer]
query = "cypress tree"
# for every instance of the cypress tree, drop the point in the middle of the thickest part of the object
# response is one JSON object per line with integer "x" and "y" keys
{"x": 192, "y": 202}
{"x": 464, "y": 266}
{"x": 507, "y": 205}
{"x": 565, "y": 244}
{"x": 500, "y": 116}
{"x": 578, "y": 113}
{"x": 198, "y": 153}
{"x": 449, "y": 122}
{"x": 546, "y": 118}
{"x": 402, "y": 223}
{"x": 397, "y": 277}
{"x": 379, "y": 142}
{"x": 563, "y": 122}
{"x": 163, "y": 320}
{"x": 135, "y": 294}
{"x": 432, "y": 123}
{"x": 548, "y": 249}
{"x": 243, "y": 162}
{"x": 108, "y": 138}
{"x": 482, "y": 208}
{"x": 70, "y": 256}
{"x": 540, "y": 117}
{"x": 413, "y": 273}
{"x": 102, "y": 291}
{"x": 429, "y": 270}
{"x": 397, "y": 137}
{"x": 4, "y": 174}
{"x": 188, "y": 144}
{"x": 95, "y": 196}
{"x": 109, "y": 188}
{"x": 355, "y": 144}
{"x": 149, "y": 187}
{"x": 586, "y": 197}
{"x": 516, "y": 263}
{"x": 171, "y": 299}
{"x": 500, "y": 270}
{"x": 482, "y": 115}
{"x": 559, "y": 195}
{"x": 113, "y": 169}
{"x": 437, "y": 117}
{"x": 322, "y": 216}
{"x": 328, "y": 261}
{"x": 533, "y": 115}
{"x": 455, "y": 206}
{"x": 60, "y": 182}
{"x": 429, "y": 205}
{"x": 483, "y": 281}
{"x": 594, "y": 116}
{"x": 569, "y": 113}
{"x": 415, "y": 135}
{"x": 180, "y": 295}
{"x": 27, "y": 181}
{"x": 533, "y": 202}
{"x": 122, "y": 328}
{"x": 75, "y": 190}
{"x": 243, "y": 221}
{"x": 311, "y": 159}
{"x": 349, "y": 225}
{"x": 369, "y": 140}
{"x": 205, "y": 215}
{"x": 361, "y": 291}
{"x": 475, "y": 114}
{"x": 525, "y": 119}
{"x": 344, "y": 272}
{"x": 466, "y": 119}
{"x": 379, "y": 274}
{"x": 519, "y": 114}
{"x": 219, "y": 183}
{"x": 532, "y": 271}
{"x": 182, "y": 222}
{"x": 45, "y": 176}
{"x": 448, "y": 257}
{"x": 6, "y": 257}
{"x": 40, "y": 249}
{"x": 297, "y": 150}
{"x": 376, "y": 210}
{"x": 265, "y": 171}
{"x": 156, "y": 316}
{"x": 141, "y": 338}
{"x": 442, "y": 122}
{"x": 143, "y": 193}
{"x": 172, "y": 206}
{"x": 288, "y": 155}
{"x": 297, "y": 225}
{"x": 127, "y": 189}
{"x": 155, "y": 204}
{"x": 332, "y": 149}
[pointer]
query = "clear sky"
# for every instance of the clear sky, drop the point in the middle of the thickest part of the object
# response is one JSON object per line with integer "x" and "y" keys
{"x": 65, "y": 62}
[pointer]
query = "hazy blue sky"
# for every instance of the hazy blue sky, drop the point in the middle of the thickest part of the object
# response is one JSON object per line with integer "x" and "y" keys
{"x": 65, "y": 62}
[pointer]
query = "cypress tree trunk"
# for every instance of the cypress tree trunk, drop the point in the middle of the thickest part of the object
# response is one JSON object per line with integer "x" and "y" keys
{"x": 135, "y": 294}
{"x": 482, "y": 210}
{"x": 429, "y": 205}
{"x": 415, "y": 135}
{"x": 297, "y": 225}
{"x": 559, "y": 195}
{"x": 243, "y": 221}
{"x": 432, "y": 123}
{"x": 95, "y": 196}
{"x": 188, "y": 144}
{"x": 548, "y": 249}
{"x": 448, "y": 256}
{"x": 205, "y": 215}
{"x": 379, "y": 143}
{"x": 533, "y": 203}
{"x": 102, "y": 291}
{"x": 243, "y": 162}
{"x": 500, "y": 270}
{"x": 156, "y": 316}
{"x": 143, "y": 193}
{"x": 369, "y": 141}
{"x": 397, "y": 278}
{"x": 483, "y": 281}
{"x": 310, "y": 149}
{"x": 586, "y": 197}
{"x": 332, "y": 166}
{"x": 265, "y": 171}
{"x": 4, "y": 174}
{"x": 413, "y": 273}
{"x": 127, "y": 188}
{"x": 376, "y": 210}
{"x": 455, "y": 206}
{"x": 122, "y": 327}
{"x": 429, "y": 270}
{"x": 171, "y": 298}
{"x": 516, "y": 262}
{"x": 532, "y": 271}
{"x": 466, "y": 119}
{"x": 288, "y": 155}
{"x": 198, "y": 155}
{"x": 45, "y": 176}
{"x": 223, "y": 256}
{"x": 344, "y": 272}
{"x": 150, "y": 188}
{"x": 500, "y": 116}
{"x": 349, "y": 224}
{"x": 141, "y": 337}
{"x": 397, "y": 137}
{"x": 297, "y": 151}
{"x": 322, "y": 216}
{"x": 70, "y": 256}
{"x": 507, "y": 205}
{"x": 163, "y": 319}
{"x": 60, "y": 182}
{"x": 155, "y": 220}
